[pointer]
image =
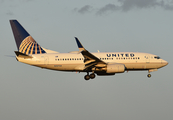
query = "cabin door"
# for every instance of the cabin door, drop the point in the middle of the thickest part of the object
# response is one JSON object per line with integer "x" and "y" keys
{"x": 147, "y": 59}
{"x": 46, "y": 60}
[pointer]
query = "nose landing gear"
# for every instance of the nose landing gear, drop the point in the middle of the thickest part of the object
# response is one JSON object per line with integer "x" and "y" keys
{"x": 149, "y": 75}
{"x": 87, "y": 77}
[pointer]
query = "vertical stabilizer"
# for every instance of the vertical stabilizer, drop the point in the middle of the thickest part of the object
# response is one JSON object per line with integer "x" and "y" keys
{"x": 25, "y": 43}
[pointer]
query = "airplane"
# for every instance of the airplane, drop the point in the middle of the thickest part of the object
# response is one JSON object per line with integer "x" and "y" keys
{"x": 100, "y": 63}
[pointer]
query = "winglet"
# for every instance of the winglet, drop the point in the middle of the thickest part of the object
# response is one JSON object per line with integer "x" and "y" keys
{"x": 80, "y": 46}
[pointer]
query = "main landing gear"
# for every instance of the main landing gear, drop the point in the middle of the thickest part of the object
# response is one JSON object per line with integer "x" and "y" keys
{"x": 87, "y": 77}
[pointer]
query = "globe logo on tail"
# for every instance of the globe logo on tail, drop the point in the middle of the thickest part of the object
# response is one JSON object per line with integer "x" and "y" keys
{"x": 30, "y": 46}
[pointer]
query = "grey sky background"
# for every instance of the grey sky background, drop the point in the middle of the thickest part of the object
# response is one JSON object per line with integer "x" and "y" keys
{"x": 31, "y": 93}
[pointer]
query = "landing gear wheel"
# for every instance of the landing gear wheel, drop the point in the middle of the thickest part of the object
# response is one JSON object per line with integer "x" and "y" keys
{"x": 149, "y": 75}
{"x": 92, "y": 76}
{"x": 86, "y": 77}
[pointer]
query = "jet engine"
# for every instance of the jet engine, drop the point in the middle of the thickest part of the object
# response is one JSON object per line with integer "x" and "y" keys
{"x": 115, "y": 68}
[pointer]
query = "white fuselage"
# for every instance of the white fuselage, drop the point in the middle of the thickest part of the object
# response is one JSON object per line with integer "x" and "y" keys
{"x": 75, "y": 61}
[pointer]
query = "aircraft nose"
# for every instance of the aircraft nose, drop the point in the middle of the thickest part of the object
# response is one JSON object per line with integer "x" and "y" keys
{"x": 164, "y": 62}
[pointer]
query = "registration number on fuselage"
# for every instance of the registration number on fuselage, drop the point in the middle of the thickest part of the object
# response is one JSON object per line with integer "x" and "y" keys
{"x": 57, "y": 65}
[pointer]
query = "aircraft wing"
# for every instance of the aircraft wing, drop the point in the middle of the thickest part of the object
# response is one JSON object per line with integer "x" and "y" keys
{"x": 90, "y": 61}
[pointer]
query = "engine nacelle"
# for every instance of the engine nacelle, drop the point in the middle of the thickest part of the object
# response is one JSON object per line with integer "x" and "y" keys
{"x": 115, "y": 68}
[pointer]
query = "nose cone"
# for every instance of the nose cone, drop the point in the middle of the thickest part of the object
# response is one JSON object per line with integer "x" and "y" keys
{"x": 164, "y": 62}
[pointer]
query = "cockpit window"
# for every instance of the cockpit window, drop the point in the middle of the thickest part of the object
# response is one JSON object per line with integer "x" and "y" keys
{"x": 156, "y": 57}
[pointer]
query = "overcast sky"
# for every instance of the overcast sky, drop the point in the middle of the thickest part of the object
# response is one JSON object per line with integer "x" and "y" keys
{"x": 31, "y": 93}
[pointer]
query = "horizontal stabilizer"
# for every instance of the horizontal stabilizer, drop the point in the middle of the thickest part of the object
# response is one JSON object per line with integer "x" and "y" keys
{"x": 22, "y": 55}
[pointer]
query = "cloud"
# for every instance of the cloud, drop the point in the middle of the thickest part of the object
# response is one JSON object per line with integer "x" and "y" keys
{"x": 84, "y": 9}
{"x": 127, "y": 5}
{"x": 106, "y": 8}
